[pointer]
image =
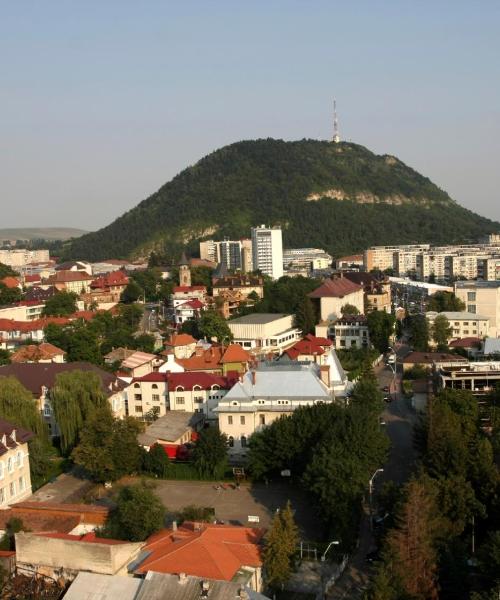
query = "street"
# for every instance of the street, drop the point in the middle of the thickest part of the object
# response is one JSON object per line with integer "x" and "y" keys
{"x": 399, "y": 419}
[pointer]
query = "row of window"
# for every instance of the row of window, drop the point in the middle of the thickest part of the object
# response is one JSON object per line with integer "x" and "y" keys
{"x": 262, "y": 420}
{"x": 243, "y": 441}
{"x": 13, "y": 462}
{"x": 12, "y": 490}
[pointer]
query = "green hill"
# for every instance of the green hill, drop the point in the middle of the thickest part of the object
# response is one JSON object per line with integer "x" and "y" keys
{"x": 340, "y": 197}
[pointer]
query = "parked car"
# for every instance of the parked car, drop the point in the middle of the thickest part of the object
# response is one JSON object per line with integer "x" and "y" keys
{"x": 387, "y": 399}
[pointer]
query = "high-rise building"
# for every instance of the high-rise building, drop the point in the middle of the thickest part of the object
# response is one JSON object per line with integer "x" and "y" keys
{"x": 267, "y": 247}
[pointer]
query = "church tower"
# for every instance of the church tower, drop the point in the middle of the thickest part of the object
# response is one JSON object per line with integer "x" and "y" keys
{"x": 184, "y": 271}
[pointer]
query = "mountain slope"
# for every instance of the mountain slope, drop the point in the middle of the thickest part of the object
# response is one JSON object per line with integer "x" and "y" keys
{"x": 340, "y": 197}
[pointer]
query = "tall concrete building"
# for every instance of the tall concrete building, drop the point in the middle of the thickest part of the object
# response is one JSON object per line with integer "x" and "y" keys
{"x": 267, "y": 246}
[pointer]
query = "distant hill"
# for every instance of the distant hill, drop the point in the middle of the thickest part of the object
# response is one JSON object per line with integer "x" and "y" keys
{"x": 340, "y": 197}
{"x": 40, "y": 233}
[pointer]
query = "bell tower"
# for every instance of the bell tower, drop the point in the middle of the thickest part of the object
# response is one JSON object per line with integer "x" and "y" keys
{"x": 184, "y": 271}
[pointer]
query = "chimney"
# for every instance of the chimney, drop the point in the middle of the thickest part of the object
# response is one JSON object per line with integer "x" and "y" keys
{"x": 174, "y": 525}
{"x": 254, "y": 377}
{"x": 243, "y": 594}
{"x": 183, "y": 578}
{"x": 13, "y": 435}
{"x": 325, "y": 374}
{"x": 205, "y": 587}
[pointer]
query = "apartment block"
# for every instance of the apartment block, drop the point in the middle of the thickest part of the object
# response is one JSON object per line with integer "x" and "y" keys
{"x": 483, "y": 298}
{"x": 267, "y": 246}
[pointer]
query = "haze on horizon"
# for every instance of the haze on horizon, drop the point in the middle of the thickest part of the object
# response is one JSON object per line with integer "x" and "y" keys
{"x": 102, "y": 103}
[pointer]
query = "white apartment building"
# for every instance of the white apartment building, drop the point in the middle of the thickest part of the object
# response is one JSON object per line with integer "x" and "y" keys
{"x": 236, "y": 255}
{"x": 464, "y": 324}
{"x": 348, "y": 331}
{"x": 21, "y": 257}
{"x": 264, "y": 332}
{"x": 264, "y": 395}
{"x": 311, "y": 258}
{"x": 267, "y": 246}
{"x": 482, "y": 297}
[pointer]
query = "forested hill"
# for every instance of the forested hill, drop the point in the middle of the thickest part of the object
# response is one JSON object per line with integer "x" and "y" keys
{"x": 340, "y": 197}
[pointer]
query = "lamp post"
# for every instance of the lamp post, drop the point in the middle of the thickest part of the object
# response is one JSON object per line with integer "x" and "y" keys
{"x": 370, "y": 490}
{"x": 334, "y": 543}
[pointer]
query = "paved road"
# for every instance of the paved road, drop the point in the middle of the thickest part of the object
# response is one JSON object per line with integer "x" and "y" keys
{"x": 399, "y": 419}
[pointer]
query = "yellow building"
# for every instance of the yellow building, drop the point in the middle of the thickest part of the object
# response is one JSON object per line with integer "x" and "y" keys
{"x": 15, "y": 480}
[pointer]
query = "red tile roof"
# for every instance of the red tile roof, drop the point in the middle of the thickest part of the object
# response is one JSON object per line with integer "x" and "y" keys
{"x": 431, "y": 357}
{"x": 11, "y": 436}
{"x": 67, "y": 276}
{"x": 468, "y": 342}
{"x": 203, "y": 360}
{"x": 180, "y": 339}
{"x": 203, "y": 380}
{"x": 236, "y": 354}
{"x": 32, "y": 278}
{"x": 10, "y": 282}
{"x": 27, "y": 326}
{"x": 335, "y": 288}
{"x": 213, "y": 551}
{"x": 115, "y": 278}
{"x": 36, "y": 353}
{"x": 310, "y": 345}
{"x": 195, "y": 304}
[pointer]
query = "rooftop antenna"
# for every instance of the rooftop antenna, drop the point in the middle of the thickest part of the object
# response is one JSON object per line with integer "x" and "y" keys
{"x": 336, "y": 136}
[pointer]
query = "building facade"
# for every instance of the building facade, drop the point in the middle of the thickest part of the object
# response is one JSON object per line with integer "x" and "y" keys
{"x": 267, "y": 247}
{"x": 15, "y": 479}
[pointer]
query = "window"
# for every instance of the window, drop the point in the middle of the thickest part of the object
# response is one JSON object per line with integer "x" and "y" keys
{"x": 179, "y": 400}
{"x": 471, "y": 296}
{"x": 198, "y": 399}
{"x": 137, "y": 385}
{"x": 243, "y": 441}
{"x": 47, "y": 410}
{"x": 471, "y": 308}
{"x": 230, "y": 420}
{"x": 230, "y": 441}
{"x": 156, "y": 397}
{"x": 138, "y": 409}
{"x": 154, "y": 386}
{"x": 19, "y": 459}
{"x": 137, "y": 397}
{"x": 242, "y": 420}
{"x": 262, "y": 419}
{"x": 12, "y": 489}
{"x": 10, "y": 464}
{"x": 2, "y": 495}
{"x": 21, "y": 484}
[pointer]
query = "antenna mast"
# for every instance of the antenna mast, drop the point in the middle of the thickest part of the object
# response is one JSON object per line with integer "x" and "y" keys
{"x": 336, "y": 136}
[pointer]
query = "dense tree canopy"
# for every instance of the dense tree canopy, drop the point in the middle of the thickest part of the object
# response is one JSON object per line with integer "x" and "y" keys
{"x": 441, "y": 332}
{"x": 280, "y": 548}
{"x": 210, "y": 453}
{"x": 445, "y": 301}
{"x": 381, "y": 327}
{"x": 61, "y": 304}
{"x": 9, "y": 295}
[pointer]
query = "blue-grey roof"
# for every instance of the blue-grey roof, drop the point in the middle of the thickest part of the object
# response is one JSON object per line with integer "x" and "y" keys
{"x": 491, "y": 346}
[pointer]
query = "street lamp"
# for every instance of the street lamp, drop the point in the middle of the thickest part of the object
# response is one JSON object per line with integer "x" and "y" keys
{"x": 370, "y": 490}
{"x": 334, "y": 543}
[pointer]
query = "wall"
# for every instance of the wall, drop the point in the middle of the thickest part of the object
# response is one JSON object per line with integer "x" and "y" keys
{"x": 18, "y": 477}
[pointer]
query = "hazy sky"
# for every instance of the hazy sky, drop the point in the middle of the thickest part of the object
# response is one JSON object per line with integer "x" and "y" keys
{"x": 102, "y": 101}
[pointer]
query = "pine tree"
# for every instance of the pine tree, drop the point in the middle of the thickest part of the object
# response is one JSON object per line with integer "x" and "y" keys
{"x": 305, "y": 318}
{"x": 276, "y": 558}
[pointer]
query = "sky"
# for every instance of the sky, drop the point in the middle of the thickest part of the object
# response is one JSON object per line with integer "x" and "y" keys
{"x": 103, "y": 101}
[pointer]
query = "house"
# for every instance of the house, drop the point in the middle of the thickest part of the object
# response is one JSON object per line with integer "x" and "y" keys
{"x": 62, "y": 556}
{"x": 39, "y": 379}
{"x": 470, "y": 345}
{"x": 264, "y": 333}
{"x": 16, "y": 333}
{"x": 181, "y": 344}
{"x": 77, "y": 282}
{"x": 40, "y": 294}
{"x": 188, "y": 310}
{"x": 230, "y": 291}
{"x": 348, "y": 331}
{"x": 11, "y": 282}
{"x": 187, "y": 302}
{"x": 15, "y": 478}
{"x": 335, "y": 293}
{"x": 39, "y": 353}
{"x": 117, "y": 355}
{"x": 51, "y": 517}
{"x": 170, "y": 364}
{"x": 353, "y": 261}
{"x": 139, "y": 364}
{"x": 173, "y": 429}
{"x": 75, "y": 266}
{"x": 266, "y": 393}
{"x": 26, "y": 310}
{"x": 219, "y": 360}
{"x": 479, "y": 378}
{"x": 377, "y": 290}
{"x": 108, "y": 288}
{"x": 206, "y": 550}
{"x": 197, "y": 392}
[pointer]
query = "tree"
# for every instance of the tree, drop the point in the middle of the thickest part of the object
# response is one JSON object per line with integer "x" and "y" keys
{"x": 411, "y": 544}
{"x": 419, "y": 332}
{"x": 6, "y": 271}
{"x": 138, "y": 514}
{"x": 8, "y": 541}
{"x": 489, "y": 555}
{"x": 213, "y": 326}
{"x": 156, "y": 461}
{"x": 210, "y": 453}
{"x": 305, "y": 317}
{"x": 4, "y": 357}
{"x": 349, "y": 309}
{"x": 74, "y": 398}
{"x": 9, "y": 295}
{"x": 108, "y": 447}
{"x": 441, "y": 332}
{"x": 144, "y": 342}
{"x": 381, "y": 327}
{"x": 445, "y": 301}
{"x": 61, "y": 304}
{"x": 132, "y": 292}
{"x": 280, "y": 546}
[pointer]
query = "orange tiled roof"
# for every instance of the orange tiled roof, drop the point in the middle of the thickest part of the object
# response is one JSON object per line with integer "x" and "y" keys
{"x": 235, "y": 354}
{"x": 180, "y": 339}
{"x": 35, "y": 353}
{"x": 10, "y": 282}
{"x": 206, "y": 359}
{"x": 335, "y": 288}
{"x": 213, "y": 551}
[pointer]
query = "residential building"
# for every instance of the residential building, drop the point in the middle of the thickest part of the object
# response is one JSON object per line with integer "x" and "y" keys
{"x": 140, "y": 363}
{"x": 218, "y": 360}
{"x": 39, "y": 353}
{"x": 207, "y": 550}
{"x": 20, "y": 257}
{"x": 39, "y": 379}
{"x": 266, "y": 393}
{"x": 11, "y": 282}
{"x": 335, "y": 293}
{"x": 267, "y": 248}
{"x": 22, "y": 311}
{"x": 229, "y": 292}
{"x": 480, "y": 378}
{"x": 348, "y": 331}
{"x": 377, "y": 290}
{"x": 176, "y": 428}
{"x": 464, "y": 324}
{"x": 431, "y": 360}
{"x": 79, "y": 266}
{"x": 182, "y": 345}
{"x": 483, "y": 298}
{"x": 16, "y": 333}
{"x": 187, "y": 301}
{"x": 264, "y": 332}
{"x": 107, "y": 288}
{"x": 235, "y": 255}
{"x": 353, "y": 262}
{"x": 15, "y": 478}
{"x": 77, "y": 282}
